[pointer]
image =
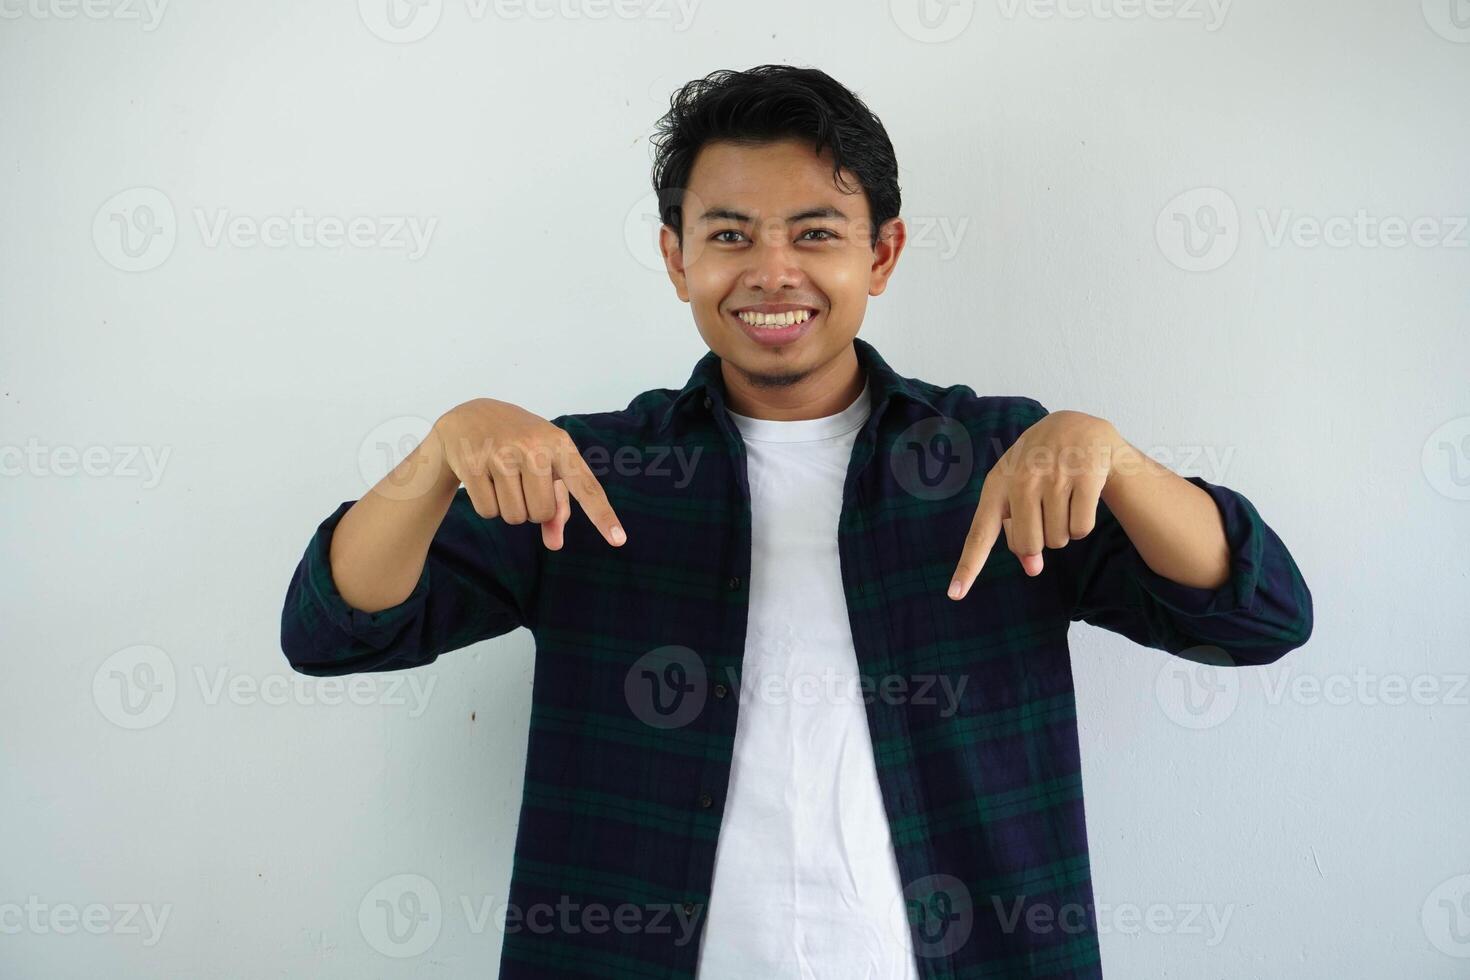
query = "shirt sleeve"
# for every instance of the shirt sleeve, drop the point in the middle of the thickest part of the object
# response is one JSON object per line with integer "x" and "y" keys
{"x": 479, "y": 581}
{"x": 1260, "y": 613}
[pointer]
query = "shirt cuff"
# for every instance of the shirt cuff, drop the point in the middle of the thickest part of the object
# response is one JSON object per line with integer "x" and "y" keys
{"x": 377, "y": 629}
{"x": 1243, "y": 533}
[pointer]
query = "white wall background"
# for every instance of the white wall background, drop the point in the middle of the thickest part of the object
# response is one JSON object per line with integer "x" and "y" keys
{"x": 1320, "y": 807}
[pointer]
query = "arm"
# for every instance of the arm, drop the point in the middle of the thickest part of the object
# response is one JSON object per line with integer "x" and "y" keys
{"x": 408, "y": 572}
{"x": 1177, "y": 562}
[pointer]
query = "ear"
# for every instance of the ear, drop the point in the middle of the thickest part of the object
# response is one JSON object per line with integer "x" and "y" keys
{"x": 668, "y": 244}
{"x": 891, "y": 239}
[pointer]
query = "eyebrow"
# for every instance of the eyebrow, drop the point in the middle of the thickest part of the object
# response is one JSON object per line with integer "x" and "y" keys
{"x": 730, "y": 214}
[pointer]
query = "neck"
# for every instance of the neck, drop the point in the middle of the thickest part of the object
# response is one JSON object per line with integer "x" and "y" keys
{"x": 822, "y": 391}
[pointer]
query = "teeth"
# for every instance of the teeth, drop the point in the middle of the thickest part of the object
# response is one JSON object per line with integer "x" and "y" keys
{"x": 773, "y": 320}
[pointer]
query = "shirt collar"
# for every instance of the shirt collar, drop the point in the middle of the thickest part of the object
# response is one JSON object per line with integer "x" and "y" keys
{"x": 706, "y": 385}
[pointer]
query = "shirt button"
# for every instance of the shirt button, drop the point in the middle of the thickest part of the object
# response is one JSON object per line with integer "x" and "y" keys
{"x": 720, "y": 690}
{"x": 734, "y": 583}
{"x": 688, "y": 908}
{"x": 704, "y": 800}
{"x": 708, "y": 401}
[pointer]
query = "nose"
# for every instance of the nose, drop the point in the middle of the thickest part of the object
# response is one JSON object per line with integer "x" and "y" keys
{"x": 773, "y": 264}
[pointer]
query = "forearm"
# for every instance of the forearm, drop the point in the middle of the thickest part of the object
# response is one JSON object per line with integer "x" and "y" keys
{"x": 1175, "y": 525}
{"x": 379, "y": 547}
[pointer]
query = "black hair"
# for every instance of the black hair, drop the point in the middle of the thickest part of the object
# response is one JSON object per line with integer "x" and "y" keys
{"x": 768, "y": 103}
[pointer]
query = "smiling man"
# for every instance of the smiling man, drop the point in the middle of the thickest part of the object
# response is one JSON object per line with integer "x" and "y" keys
{"x": 794, "y": 713}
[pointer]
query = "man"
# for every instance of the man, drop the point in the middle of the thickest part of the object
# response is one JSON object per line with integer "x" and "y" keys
{"x": 794, "y": 713}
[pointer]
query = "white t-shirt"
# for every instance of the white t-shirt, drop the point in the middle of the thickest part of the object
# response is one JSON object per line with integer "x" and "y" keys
{"x": 806, "y": 886}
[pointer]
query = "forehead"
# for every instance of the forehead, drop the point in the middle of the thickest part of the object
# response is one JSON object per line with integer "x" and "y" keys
{"x": 771, "y": 178}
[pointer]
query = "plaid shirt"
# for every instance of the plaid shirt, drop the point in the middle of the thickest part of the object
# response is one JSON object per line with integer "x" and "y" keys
{"x": 638, "y": 676}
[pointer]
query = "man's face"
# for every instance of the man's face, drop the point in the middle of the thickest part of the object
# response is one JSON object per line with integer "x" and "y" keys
{"x": 766, "y": 230}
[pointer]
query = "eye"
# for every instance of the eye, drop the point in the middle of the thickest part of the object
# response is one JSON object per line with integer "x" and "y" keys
{"x": 831, "y": 235}
{"x": 728, "y": 231}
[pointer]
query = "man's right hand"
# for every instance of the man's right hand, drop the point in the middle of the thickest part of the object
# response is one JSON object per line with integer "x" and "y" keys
{"x": 517, "y": 466}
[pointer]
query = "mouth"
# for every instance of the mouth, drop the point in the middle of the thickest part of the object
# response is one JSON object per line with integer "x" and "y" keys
{"x": 775, "y": 324}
